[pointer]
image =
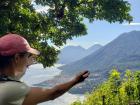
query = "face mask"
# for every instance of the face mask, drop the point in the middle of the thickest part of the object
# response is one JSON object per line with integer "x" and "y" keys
{"x": 19, "y": 75}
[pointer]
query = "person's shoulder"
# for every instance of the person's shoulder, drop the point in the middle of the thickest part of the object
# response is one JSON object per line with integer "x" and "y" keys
{"x": 13, "y": 92}
{"x": 12, "y": 83}
{"x": 11, "y": 86}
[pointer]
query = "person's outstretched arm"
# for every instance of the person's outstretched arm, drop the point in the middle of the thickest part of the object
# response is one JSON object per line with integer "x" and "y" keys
{"x": 38, "y": 95}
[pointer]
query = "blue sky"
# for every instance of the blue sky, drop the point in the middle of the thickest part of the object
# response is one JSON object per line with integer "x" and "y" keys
{"x": 102, "y": 32}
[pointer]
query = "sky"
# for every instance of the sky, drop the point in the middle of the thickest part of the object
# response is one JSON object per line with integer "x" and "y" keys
{"x": 102, "y": 32}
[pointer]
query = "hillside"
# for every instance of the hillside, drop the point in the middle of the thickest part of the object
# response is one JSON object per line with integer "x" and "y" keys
{"x": 71, "y": 54}
{"x": 115, "y": 91}
{"x": 121, "y": 53}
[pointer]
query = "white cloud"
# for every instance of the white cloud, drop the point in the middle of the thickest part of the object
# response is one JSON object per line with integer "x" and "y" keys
{"x": 131, "y": 24}
{"x": 39, "y": 8}
{"x": 42, "y": 9}
{"x": 69, "y": 43}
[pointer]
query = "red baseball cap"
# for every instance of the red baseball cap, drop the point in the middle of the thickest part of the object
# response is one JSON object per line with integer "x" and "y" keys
{"x": 11, "y": 44}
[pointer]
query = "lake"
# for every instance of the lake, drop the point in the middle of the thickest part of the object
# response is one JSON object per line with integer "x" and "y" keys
{"x": 37, "y": 74}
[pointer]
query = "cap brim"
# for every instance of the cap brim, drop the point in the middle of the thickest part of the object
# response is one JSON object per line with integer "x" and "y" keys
{"x": 34, "y": 51}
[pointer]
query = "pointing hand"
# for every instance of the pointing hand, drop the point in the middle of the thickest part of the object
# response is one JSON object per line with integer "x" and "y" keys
{"x": 81, "y": 76}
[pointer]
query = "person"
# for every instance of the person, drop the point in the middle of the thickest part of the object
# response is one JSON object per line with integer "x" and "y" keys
{"x": 15, "y": 56}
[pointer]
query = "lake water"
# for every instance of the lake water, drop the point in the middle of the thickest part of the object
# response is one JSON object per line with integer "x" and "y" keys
{"x": 36, "y": 74}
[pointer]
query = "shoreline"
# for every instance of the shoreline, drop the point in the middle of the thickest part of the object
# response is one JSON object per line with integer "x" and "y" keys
{"x": 36, "y": 74}
{"x": 65, "y": 99}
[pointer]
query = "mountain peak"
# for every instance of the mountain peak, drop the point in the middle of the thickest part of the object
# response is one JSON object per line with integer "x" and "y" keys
{"x": 71, "y": 54}
{"x": 123, "y": 53}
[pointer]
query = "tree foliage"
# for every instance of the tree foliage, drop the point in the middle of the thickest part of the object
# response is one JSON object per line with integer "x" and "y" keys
{"x": 116, "y": 90}
{"x": 62, "y": 21}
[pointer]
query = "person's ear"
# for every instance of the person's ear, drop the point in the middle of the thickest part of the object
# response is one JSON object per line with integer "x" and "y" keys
{"x": 16, "y": 58}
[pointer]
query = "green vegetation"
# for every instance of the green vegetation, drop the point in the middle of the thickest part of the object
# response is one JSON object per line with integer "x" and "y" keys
{"x": 116, "y": 90}
{"x": 62, "y": 21}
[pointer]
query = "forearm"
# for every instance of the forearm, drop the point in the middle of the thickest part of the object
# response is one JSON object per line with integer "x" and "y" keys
{"x": 38, "y": 95}
{"x": 62, "y": 88}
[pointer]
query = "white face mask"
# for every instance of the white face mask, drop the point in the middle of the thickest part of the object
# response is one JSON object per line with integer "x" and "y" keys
{"x": 19, "y": 75}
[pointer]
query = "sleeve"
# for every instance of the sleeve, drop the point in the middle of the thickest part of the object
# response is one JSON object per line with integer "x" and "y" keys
{"x": 14, "y": 93}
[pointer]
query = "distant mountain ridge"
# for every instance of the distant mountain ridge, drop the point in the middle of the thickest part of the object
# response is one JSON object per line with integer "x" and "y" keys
{"x": 122, "y": 53}
{"x": 70, "y": 54}
{"x": 93, "y": 49}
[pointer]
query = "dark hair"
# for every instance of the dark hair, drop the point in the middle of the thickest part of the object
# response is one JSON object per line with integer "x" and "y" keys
{"x": 6, "y": 61}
